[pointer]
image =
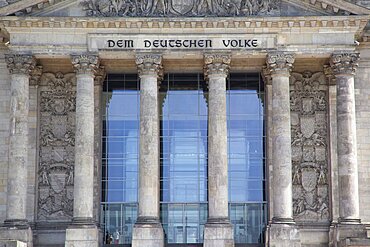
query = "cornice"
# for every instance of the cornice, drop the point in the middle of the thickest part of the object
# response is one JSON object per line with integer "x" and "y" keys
{"x": 203, "y": 23}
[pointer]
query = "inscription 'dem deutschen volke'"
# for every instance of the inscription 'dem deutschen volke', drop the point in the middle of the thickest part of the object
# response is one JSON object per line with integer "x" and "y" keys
{"x": 182, "y": 43}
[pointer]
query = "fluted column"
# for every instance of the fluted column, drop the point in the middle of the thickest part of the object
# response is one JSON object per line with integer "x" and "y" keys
{"x": 344, "y": 66}
{"x": 216, "y": 71}
{"x": 279, "y": 66}
{"x": 148, "y": 230}
{"x": 20, "y": 67}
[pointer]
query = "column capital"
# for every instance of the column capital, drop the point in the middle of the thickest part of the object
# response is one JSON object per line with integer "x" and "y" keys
{"x": 266, "y": 74}
{"x": 149, "y": 64}
{"x": 35, "y": 75}
{"x": 279, "y": 63}
{"x": 344, "y": 63}
{"x": 99, "y": 76}
{"x": 85, "y": 63}
{"x": 20, "y": 63}
{"x": 216, "y": 64}
{"x": 328, "y": 71}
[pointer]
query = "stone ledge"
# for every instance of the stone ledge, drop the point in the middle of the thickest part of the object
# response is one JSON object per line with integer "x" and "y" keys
{"x": 12, "y": 243}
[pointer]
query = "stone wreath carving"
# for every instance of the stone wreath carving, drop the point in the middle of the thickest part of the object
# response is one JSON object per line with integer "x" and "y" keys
{"x": 57, "y": 132}
{"x": 308, "y": 102}
{"x": 196, "y": 8}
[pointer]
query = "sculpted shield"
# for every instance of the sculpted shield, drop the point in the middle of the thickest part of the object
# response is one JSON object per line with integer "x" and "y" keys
{"x": 58, "y": 181}
{"x": 181, "y": 6}
{"x": 309, "y": 179}
{"x": 307, "y": 126}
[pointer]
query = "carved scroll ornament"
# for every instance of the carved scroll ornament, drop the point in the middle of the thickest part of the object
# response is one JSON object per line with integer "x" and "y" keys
{"x": 196, "y": 8}
{"x": 308, "y": 101}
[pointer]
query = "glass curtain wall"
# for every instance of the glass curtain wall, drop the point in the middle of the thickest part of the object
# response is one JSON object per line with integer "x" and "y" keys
{"x": 246, "y": 159}
{"x": 183, "y": 157}
{"x": 120, "y": 157}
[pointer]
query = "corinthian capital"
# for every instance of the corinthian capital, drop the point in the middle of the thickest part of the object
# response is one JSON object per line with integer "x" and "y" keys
{"x": 20, "y": 63}
{"x": 216, "y": 64}
{"x": 85, "y": 64}
{"x": 279, "y": 63}
{"x": 149, "y": 64}
{"x": 344, "y": 63}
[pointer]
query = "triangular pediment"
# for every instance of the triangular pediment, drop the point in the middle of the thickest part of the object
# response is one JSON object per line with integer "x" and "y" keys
{"x": 183, "y": 8}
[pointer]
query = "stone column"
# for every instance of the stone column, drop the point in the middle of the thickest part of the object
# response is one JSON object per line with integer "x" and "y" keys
{"x": 218, "y": 231}
{"x": 83, "y": 231}
{"x": 344, "y": 66}
{"x": 17, "y": 228}
{"x": 282, "y": 230}
{"x": 20, "y": 67}
{"x": 148, "y": 229}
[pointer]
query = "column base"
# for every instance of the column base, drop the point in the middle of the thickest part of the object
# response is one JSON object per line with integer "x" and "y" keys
{"x": 350, "y": 233}
{"x": 80, "y": 235}
{"x": 218, "y": 233}
{"x": 16, "y": 235}
{"x": 282, "y": 234}
{"x": 147, "y": 232}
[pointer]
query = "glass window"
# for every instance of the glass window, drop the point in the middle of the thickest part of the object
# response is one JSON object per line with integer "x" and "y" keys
{"x": 120, "y": 157}
{"x": 246, "y": 163}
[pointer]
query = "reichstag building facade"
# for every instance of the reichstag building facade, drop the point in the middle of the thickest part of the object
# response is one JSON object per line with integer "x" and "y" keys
{"x": 184, "y": 123}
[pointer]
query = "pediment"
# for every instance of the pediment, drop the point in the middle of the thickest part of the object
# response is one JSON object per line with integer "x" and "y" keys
{"x": 182, "y": 8}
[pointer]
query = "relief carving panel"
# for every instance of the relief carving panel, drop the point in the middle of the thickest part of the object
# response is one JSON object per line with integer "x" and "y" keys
{"x": 57, "y": 132}
{"x": 174, "y": 8}
{"x": 308, "y": 102}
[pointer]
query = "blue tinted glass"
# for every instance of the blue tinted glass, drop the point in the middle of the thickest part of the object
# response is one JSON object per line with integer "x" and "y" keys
{"x": 245, "y": 117}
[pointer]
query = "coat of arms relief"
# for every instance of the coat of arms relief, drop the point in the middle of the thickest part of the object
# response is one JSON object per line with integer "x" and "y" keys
{"x": 180, "y": 8}
{"x": 308, "y": 102}
{"x": 57, "y": 132}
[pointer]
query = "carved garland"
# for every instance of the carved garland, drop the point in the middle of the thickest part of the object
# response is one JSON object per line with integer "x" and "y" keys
{"x": 57, "y": 131}
{"x": 308, "y": 101}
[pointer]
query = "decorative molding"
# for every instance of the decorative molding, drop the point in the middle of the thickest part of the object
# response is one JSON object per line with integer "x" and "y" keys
{"x": 309, "y": 109}
{"x": 149, "y": 64}
{"x": 344, "y": 63}
{"x": 266, "y": 74}
{"x": 85, "y": 64}
{"x": 175, "y": 8}
{"x": 20, "y": 64}
{"x": 279, "y": 63}
{"x": 57, "y": 133}
{"x": 216, "y": 64}
{"x": 100, "y": 76}
{"x": 36, "y": 75}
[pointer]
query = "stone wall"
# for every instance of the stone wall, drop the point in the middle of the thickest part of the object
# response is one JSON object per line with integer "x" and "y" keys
{"x": 362, "y": 91}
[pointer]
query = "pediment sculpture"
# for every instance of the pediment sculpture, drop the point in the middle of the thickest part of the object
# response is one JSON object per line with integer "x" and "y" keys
{"x": 180, "y": 8}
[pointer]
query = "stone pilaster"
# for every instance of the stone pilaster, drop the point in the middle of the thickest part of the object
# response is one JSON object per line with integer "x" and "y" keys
{"x": 282, "y": 230}
{"x": 148, "y": 230}
{"x": 20, "y": 67}
{"x": 218, "y": 231}
{"x": 83, "y": 231}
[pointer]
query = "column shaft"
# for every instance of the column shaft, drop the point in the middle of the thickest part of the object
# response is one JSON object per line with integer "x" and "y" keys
{"x": 20, "y": 67}
{"x": 149, "y": 148}
{"x": 344, "y": 66}
{"x": 217, "y": 143}
{"x": 280, "y": 65}
{"x": 148, "y": 230}
{"x": 218, "y": 231}
{"x": 84, "y": 143}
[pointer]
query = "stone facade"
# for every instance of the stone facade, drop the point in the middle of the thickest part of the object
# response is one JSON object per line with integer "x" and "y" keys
{"x": 316, "y": 71}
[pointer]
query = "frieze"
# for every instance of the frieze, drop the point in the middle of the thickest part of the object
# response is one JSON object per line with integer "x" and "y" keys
{"x": 57, "y": 132}
{"x": 308, "y": 101}
{"x": 175, "y": 8}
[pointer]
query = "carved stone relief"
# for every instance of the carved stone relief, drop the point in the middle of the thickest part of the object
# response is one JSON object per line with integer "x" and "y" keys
{"x": 57, "y": 132}
{"x": 194, "y": 8}
{"x": 308, "y": 102}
